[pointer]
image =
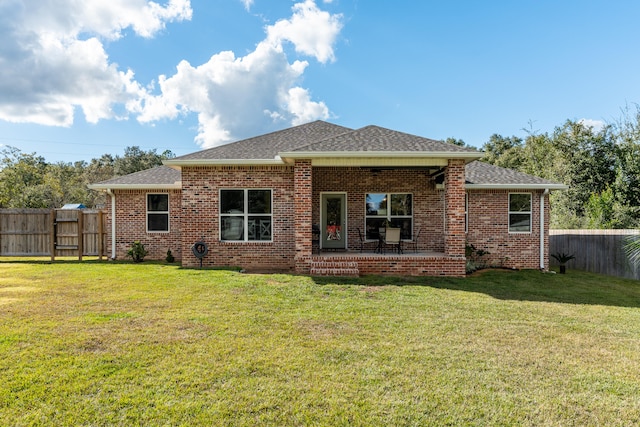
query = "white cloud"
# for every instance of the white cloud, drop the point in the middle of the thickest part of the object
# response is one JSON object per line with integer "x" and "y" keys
{"x": 304, "y": 110}
{"x": 312, "y": 31}
{"x": 242, "y": 96}
{"x": 52, "y": 58}
{"x": 596, "y": 125}
{"x": 53, "y": 61}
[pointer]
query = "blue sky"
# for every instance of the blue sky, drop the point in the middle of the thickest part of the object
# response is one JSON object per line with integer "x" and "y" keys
{"x": 81, "y": 79}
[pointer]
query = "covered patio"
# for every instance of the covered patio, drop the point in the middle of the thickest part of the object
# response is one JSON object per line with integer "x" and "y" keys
{"x": 349, "y": 206}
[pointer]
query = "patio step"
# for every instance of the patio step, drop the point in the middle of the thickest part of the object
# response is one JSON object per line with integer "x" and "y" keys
{"x": 334, "y": 268}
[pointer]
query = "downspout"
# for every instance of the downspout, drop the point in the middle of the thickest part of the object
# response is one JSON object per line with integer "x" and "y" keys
{"x": 546, "y": 192}
{"x": 113, "y": 223}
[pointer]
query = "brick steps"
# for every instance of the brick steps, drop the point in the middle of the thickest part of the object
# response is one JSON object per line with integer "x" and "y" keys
{"x": 334, "y": 268}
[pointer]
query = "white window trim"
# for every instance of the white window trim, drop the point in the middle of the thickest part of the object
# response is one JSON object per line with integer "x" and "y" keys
{"x": 146, "y": 197}
{"x": 245, "y": 215}
{"x": 388, "y": 216}
{"x": 529, "y": 212}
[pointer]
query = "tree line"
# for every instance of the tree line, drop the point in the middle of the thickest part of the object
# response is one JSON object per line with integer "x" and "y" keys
{"x": 28, "y": 181}
{"x": 601, "y": 166}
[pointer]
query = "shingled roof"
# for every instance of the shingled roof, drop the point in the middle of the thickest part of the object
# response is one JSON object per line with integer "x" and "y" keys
{"x": 484, "y": 175}
{"x": 161, "y": 177}
{"x": 379, "y": 139}
{"x": 268, "y": 146}
{"x": 318, "y": 140}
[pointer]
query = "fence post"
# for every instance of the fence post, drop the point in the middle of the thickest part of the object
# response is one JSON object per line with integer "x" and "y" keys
{"x": 52, "y": 243}
{"x": 100, "y": 235}
{"x": 80, "y": 234}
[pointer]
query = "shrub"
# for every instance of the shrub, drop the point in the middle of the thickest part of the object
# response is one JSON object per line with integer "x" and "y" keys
{"x": 563, "y": 258}
{"x": 137, "y": 251}
{"x": 170, "y": 258}
{"x": 475, "y": 260}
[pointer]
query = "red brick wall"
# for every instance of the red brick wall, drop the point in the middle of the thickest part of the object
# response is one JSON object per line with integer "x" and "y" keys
{"x": 200, "y": 215}
{"x": 454, "y": 239}
{"x": 303, "y": 199}
{"x": 131, "y": 224}
{"x": 406, "y": 264}
{"x": 488, "y": 229}
{"x": 194, "y": 213}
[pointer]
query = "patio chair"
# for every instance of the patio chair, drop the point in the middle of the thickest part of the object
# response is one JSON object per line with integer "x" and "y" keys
{"x": 392, "y": 238}
{"x": 414, "y": 242}
{"x": 361, "y": 237}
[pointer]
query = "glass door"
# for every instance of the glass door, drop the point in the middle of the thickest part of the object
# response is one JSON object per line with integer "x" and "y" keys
{"x": 334, "y": 221}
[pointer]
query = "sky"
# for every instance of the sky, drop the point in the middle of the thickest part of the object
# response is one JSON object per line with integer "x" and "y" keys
{"x": 83, "y": 79}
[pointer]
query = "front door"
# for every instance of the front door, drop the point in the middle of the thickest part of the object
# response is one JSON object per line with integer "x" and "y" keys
{"x": 334, "y": 221}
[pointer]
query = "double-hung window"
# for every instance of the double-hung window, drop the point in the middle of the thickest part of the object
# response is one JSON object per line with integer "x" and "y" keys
{"x": 389, "y": 209}
{"x": 519, "y": 212}
{"x": 245, "y": 215}
{"x": 157, "y": 213}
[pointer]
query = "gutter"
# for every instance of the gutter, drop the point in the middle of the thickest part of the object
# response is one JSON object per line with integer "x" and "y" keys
{"x": 542, "y": 195}
{"x": 113, "y": 223}
{"x": 542, "y": 186}
{"x": 467, "y": 155}
{"x": 175, "y": 186}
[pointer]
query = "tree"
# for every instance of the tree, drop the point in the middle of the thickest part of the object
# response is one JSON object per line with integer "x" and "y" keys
{"x": 97, "y": 170}
{"x": 22, "y": 180}
{"x": 459, "y": 143}
{"x": 503, "y": 151}
{"x": 135, "y": 160}
{"x": 627, "y": 180}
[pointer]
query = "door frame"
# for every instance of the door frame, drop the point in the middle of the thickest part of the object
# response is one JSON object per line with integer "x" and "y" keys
{"x": 345, "y": 220}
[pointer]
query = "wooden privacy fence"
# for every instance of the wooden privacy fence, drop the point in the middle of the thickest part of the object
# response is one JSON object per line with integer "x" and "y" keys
{"x": 597, "y": 251}
{"x": 57, "y": 232}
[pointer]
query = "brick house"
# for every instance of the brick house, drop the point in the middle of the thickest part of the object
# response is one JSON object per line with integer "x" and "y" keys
{"x": 255, "y": 204}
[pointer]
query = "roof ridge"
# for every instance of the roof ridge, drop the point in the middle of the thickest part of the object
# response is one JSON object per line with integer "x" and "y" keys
{"x": 378, "y": 139}
{"x": 327, "y": 138}
{"x": 261, "y": 136}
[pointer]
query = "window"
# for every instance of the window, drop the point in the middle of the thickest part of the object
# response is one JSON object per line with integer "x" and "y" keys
{"x": 520, "y": 213}
{"x": 389, "y": 208}
{"x": 157, "y": 213}
{"x": 245, "y": 215}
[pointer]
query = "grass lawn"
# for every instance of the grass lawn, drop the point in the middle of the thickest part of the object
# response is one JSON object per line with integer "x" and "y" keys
{"x": 150, "y": 344}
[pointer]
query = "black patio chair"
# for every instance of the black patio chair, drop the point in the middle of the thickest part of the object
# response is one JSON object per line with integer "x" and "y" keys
{"x": 361, "y": 237}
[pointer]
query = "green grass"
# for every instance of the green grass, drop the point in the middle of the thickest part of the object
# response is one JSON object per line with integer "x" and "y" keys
{"x": 152, "y": 344}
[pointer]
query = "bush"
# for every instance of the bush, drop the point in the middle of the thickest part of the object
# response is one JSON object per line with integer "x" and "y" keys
{"x": 137, "y": 251}
{"x": 170, "y": 258}
{"x": 475, "y": 260}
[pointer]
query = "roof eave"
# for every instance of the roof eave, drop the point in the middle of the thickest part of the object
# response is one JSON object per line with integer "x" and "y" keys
{"x": 223, "y": 162}
{"x": 550, "y": 186}
{"x": 438, "y": 154}
{"x": 174, "y": 186}
{"x": 290, "y": 157}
